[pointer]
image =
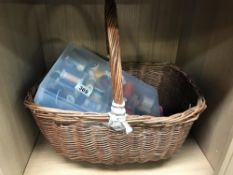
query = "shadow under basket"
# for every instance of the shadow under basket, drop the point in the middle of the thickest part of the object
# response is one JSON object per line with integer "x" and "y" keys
{"x": 86, "y": 136}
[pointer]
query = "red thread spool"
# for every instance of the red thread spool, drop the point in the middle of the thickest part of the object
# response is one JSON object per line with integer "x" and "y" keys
{"x": 128, "y": 89}
{"x": 129, "y": 111}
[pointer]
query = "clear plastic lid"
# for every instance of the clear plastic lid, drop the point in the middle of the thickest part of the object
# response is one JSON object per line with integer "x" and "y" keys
{"x": 81, "y": 80}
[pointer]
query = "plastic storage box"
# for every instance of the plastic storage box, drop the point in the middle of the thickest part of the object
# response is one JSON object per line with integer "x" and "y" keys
{"x": 81, "y": 80}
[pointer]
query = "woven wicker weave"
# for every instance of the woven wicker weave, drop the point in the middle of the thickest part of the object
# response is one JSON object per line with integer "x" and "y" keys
{"x": 86, "y": 136}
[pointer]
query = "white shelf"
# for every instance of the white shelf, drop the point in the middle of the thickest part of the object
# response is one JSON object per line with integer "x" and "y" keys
{"x": 188, "y": 161}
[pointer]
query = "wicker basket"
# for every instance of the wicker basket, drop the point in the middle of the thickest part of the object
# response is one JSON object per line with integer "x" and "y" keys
{"x": 87, "y": 137}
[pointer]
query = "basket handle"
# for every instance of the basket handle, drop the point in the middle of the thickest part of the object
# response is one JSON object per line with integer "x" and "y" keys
{"x": 117, "y": 115}
{"x": 114, "y": 50}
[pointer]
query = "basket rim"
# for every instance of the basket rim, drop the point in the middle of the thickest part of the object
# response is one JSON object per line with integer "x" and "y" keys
{"x": 189, "y": 115}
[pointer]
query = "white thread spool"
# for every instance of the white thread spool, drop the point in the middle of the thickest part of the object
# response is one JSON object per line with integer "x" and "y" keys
{"x": 146, "y": 104}
{"x": 67, "y": 76}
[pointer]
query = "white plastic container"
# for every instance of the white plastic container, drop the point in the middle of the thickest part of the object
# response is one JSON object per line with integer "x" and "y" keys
{"x": 81, "y": 80}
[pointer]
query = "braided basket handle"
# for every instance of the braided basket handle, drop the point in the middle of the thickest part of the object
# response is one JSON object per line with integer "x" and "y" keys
{"x": 118, "y": 115}
{"x": 113, "y": 46}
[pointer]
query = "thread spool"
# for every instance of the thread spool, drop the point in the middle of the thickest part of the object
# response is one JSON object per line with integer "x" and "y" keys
{"x": 69, "y": 77}
{"x": 146, "y": 104}
{"x": 128, "y": 89}
{"x": 80, "y": 66}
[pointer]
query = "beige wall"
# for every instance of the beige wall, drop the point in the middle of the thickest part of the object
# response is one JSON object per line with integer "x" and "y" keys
{"x": 206, "y": 52}
{"x": 20, "y": 64}
{"x": 149, "y": 29}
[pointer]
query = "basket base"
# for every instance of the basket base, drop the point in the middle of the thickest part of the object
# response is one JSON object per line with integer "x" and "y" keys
{"x": 45, "y": 161}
